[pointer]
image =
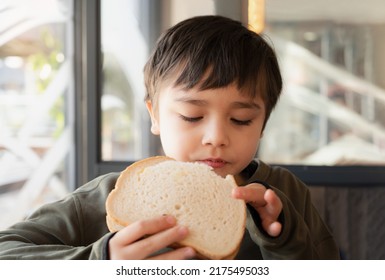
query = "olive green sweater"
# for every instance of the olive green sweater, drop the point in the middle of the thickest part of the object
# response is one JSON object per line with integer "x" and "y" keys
{"x": 75, "y": 227}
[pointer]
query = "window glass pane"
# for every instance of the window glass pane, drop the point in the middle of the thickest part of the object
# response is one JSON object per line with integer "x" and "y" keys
{"x": 332, "y": 108}
{"x": 124, "y": 52}
{"x": 35, "y": 88}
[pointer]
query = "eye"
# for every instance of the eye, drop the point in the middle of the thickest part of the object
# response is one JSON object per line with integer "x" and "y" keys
{"x": 239, "y": 122}
{"x": 189, "y": 119}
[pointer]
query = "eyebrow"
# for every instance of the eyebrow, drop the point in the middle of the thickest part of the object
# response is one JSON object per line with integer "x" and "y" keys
{"x": 197, "y": 102}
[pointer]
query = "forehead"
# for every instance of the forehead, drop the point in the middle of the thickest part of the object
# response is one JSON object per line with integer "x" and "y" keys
{"x": 229, "y": 95}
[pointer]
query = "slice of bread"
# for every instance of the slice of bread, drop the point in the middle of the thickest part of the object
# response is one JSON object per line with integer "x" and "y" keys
{"x": 192, "y": 192}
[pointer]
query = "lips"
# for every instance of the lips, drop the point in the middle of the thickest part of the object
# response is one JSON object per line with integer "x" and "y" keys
{"x": 214, "y": 163}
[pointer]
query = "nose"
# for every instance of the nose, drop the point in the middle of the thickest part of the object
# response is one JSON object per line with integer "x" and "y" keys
{"x": 216, "y": 134}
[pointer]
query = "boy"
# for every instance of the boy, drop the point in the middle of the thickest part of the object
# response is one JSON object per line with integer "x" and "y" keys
{"x": 211, "y": 86}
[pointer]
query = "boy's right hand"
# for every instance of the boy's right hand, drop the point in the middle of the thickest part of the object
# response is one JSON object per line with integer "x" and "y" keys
{"x": 143, "y": 238}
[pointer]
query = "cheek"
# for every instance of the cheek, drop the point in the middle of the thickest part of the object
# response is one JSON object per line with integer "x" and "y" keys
{"x": 176, "y": 140}
{"x": 250, "y": 145}
{"x": 250, "y": 142}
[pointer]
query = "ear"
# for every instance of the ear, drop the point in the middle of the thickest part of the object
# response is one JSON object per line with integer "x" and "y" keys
{"x": 154, "y": 120}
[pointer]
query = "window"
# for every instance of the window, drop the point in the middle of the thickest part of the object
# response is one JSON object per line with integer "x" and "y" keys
{"x": 36, "y": 86}
{"x": 332, "y": 108}
{"x": 112, "y": 43}
{"x": 125, "y": 48}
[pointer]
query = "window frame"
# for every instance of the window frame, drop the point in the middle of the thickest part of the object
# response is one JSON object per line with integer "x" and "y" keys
{"x": 348, "y": 176}
{"x": 88, "y": 76}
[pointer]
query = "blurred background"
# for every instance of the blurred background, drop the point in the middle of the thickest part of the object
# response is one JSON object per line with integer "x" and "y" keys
{"x": 71, "y": 100}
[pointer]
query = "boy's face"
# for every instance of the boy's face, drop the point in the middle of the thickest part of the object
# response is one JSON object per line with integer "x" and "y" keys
{"x": 218, "y": 127}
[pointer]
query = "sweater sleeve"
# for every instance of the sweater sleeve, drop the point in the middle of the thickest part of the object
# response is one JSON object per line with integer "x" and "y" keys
{"x": 301, "y": 238}
{"x": 304, "y": 234}
{"x": 72, "y": 228}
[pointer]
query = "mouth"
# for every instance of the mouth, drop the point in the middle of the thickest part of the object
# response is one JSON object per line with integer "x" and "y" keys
{"x": 214, "y": 163}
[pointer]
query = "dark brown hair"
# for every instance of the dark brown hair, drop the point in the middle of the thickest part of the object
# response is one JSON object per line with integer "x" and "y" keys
{"x": 213, "y": 52}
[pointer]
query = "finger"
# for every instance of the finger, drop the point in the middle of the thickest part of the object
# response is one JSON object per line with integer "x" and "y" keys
{"x": 252, "y": 193}
{"x": 147, "y": 246}
{"x": 272, "y": 211}
{"x": 141, "y": 228}
{"x": 274, "y": 204}
{"x": 184, "y": 253}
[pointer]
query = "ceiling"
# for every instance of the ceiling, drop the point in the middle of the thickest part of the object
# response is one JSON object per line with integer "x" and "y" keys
{"x": 343, "y": 11}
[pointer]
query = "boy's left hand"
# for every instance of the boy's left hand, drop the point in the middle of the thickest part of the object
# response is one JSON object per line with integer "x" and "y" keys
{"x": 265, "y": 202}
